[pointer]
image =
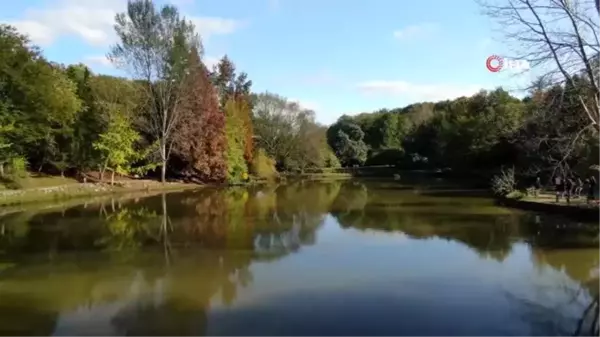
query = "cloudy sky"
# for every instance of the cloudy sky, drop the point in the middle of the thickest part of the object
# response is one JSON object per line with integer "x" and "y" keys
{"x": 334, "y": 56}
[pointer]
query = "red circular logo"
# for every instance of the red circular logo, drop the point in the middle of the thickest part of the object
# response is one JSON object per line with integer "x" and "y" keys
{"x": 494, "y": 66}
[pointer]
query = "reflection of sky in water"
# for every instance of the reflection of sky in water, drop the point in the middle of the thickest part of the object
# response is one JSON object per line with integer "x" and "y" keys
{"x": 338, "y": 280}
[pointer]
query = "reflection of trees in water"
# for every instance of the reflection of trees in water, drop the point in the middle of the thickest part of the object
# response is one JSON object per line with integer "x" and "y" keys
{"x": 189, "y": 247}
{"x": 487, "y": 230}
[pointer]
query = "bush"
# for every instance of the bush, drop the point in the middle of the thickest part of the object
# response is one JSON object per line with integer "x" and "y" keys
{"x": 330, "y": 160}
{"x": 504, "y": 183}
{"x": 263, "y": 166}
{"x": 385, "y": 157}
{"x": 517, "y": 195}
{"x": 17, "y": 167}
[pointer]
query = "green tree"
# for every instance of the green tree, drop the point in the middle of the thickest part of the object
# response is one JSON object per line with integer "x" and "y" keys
{"x": 37, "y": 96}
{"x": 237, "y": 168}
{"x": 117, "y": 146}
{"x": 346, "y": 140}
{"x": 154, "y": 47}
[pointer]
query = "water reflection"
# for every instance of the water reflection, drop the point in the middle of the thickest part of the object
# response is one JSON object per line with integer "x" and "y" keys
{"x": 302, "y": 258}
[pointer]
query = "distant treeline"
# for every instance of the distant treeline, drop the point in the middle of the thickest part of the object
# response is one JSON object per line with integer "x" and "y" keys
{"x": 175, "y": 117}
{"x": 546, "y": 131}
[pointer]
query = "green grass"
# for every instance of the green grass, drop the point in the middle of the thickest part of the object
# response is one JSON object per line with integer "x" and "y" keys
{"x": 48, "y": 188}
{"x": 36, "y": 181}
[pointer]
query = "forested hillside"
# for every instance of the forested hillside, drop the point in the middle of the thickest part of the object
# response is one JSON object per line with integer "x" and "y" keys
{"x": 172, "y": 117}
{"x": 540, "y": 133}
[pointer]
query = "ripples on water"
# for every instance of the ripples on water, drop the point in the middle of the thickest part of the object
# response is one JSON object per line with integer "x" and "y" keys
{"x": 338, "y": 258}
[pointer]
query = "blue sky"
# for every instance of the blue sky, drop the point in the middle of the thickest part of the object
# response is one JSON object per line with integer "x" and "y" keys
{"x": 334, "y": 56}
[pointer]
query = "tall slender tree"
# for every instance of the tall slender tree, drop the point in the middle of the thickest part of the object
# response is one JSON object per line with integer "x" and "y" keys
{"x": 231, "y": 86}
{"x": 155, "y": 46}
{"x": 200, "y": 140}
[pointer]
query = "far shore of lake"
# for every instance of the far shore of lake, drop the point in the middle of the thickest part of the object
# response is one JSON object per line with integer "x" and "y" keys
{"x": 577, "y": 208}
{"x": 77, "y": 190}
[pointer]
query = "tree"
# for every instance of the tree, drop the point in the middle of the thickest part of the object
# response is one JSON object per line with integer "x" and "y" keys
{"x": 38, "y": 97}
{"x": 560, "y": 36}
{"x": 283, "y": 130}
{"x": 200, "y": 139}
{"x": 237, "y": 168}
{"x": 117, "y": 146}
{"x": 233, "y": 86}
{"x": 154, "y": 48}
{"x": 346, "y": 140}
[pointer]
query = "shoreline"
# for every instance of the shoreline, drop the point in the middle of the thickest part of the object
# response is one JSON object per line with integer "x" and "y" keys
{"x": 574, "y": 211}
{"x": 84, "y": 190}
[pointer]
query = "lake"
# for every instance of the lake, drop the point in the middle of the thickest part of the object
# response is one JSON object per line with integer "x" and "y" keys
{"x": 305, "y": 258}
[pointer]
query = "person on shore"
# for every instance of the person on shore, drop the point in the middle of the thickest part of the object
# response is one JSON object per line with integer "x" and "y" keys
{"x": 537, "y": 185}
{"x": 578, "y": 186}
{"x": 591, "y": 188}
{"x": 569, "y": 186}
{"x": 558, "y": 187}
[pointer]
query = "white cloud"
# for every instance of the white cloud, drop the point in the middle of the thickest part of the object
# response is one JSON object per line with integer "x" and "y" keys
{"x": 418, "y": 92}
{"x": 414, "y": 31}
{"x": 92, "y": 21}
{"x": 310, "y": 105}
{"x": 98, "y": 60}
{"x": 89, "y": 20}
{"x": 210, "y": 61}
{"x": 208, "y": 26}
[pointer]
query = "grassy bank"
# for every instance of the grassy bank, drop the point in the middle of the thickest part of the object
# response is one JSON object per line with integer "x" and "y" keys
{"x": 577, "y": 208}
{"x": 44, "y": 189}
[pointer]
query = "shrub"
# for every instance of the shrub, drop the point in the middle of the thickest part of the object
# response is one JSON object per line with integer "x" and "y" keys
{"x": 385, "y": 157}
{"x": 504, "y": 183}
{"x": 263, "y": 166}
{"x": 331, "y": 160}
{"x": 517, "y": 195}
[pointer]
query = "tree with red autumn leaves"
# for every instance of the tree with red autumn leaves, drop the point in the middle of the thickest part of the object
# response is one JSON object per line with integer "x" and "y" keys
{"x": 200, "y": 141}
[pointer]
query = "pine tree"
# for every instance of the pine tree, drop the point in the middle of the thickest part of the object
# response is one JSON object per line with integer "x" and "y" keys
{"x": 231, "y": 86}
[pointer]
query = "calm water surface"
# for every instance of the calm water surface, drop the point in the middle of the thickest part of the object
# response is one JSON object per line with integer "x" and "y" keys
{"x": 338, "y": 258}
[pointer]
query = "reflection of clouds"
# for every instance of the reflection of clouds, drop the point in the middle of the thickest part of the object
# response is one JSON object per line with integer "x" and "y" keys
{"x": 278, "y": 243}
{"x": 99, "y": 319}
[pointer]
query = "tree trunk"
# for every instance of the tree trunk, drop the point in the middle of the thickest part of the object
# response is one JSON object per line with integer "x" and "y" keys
{"x": 112, "y": 178}
{"x": 102, "y": 170}
{"x": 163, "y": 156}
{"x": 2, "y": 170}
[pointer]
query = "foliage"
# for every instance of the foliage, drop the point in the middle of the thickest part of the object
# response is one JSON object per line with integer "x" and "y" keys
{"x": 234, "y": 131}
{"x": 154, "y": 47}
{"x": 263, "y": 166}
{"x": 288, "y": 133}
{"x": 516, "y": 195}
{"x": 237, "y": 87}
{"x": 346, "y": 140}
{"x": 117, "y": 145}
{"x": 504, "y": 183}
{"x": 329, "y": 159}
{"x": 200, "y": 139}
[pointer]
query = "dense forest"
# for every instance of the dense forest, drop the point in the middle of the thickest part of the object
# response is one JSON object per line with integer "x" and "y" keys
{"x": 173, "y": 117}
{"x": 540, "y": 133}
